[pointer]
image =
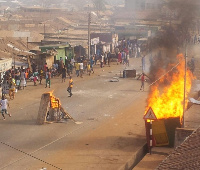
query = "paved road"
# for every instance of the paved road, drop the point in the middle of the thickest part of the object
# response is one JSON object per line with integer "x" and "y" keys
{"x": 95, "y": 101}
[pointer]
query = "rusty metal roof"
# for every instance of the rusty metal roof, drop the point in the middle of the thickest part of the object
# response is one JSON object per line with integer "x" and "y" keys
{"x": 185, "y": 156}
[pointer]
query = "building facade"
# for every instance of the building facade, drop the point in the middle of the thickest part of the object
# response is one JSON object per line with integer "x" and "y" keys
{"x": 138, "y": 5}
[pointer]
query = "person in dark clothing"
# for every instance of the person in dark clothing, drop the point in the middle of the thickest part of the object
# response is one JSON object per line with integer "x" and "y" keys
{"x": 69, "y": 89}
{"x": 63, "y": 74}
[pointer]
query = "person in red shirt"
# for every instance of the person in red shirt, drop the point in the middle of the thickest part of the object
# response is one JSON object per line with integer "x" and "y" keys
{"x": 120, "y": 57}
{"x": 45, "y": 67}
{"x": 142, "y": 82}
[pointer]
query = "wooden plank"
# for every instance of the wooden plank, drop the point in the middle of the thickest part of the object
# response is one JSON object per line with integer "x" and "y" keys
{"x": 66, "y": 114}
{"x": 42, "y": 113}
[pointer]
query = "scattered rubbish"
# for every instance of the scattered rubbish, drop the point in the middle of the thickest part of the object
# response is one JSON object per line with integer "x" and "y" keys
{"x": 130, "y": 133}
{"x": 51, "y": 111}
{"x": 91, "y": 118}
{"x": 192, "y": 100}
{"x": 43, "y": 168}
{"x": 115, "y": 79}
{"x": 78, "y": 123}
{"x": 107, "y": 115}
{"x": 110, "y": 96}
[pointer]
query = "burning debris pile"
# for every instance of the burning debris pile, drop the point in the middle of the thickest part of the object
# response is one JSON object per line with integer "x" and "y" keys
{"x": 50, "y": 110}
{"x": 166, "y": 99}
{"x": 167, "y": 94}
{"x": 171, "y": 81}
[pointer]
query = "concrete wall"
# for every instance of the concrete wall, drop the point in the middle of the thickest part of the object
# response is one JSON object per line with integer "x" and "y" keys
{"x": 21, "y": 34}
{"x": 180, "y": 135}
{"x": 5, "y": 64}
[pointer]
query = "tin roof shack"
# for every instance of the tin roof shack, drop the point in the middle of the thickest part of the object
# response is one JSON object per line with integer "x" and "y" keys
{"x": 5, "y": 64}
{"x": 61, "y": 51}
{"x": 106, "y": 42}
{"x": 40, "y": 59}
{"x": 185, "y": 156}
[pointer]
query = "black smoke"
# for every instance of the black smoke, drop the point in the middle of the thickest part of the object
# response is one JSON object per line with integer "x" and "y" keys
{"x": 172, "y": 38}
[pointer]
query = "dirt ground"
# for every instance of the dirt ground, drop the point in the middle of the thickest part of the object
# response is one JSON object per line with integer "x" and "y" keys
{"x": 106, "y": 142}
{"x": 104, "y": 145}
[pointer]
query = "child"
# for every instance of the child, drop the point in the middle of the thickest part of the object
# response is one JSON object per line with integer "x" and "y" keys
{"x": 4, "y": 104}
{"x": 88, "y": 69}
{"x": 34, "y": 80}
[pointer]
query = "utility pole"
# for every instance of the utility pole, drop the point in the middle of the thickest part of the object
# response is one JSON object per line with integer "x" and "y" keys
{"x": 184, "y": 94}
{"x": 44, "y": 30}
{"x": 27, "y": 42}
{"x": 14, "y": 60}
{"x": 89, "y": 22}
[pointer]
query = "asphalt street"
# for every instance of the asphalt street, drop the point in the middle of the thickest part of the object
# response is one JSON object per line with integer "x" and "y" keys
{"x": 95, "y": 100}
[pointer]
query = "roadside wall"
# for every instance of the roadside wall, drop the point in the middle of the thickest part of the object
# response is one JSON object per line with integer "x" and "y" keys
{"x": 180, "y": 135}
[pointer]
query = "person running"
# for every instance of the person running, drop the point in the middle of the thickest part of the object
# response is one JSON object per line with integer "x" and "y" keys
{"x": 4, "y": 104}
{"x": 69, "y": 89}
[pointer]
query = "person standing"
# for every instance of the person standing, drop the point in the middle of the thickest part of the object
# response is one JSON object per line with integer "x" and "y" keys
{"x": 17, "y": 78}
{"x": 81, "y": 69}
{"x": 142, "y": 82}
{"x": 4, "y": 104}
{"x": 102, "y": 60}
{"x": 95, "y": 59}
{"x": 127, "y": 59}
{"x": 48, "y": 78}
{"x": 35, "y": 78}
{"x": 23, "y": 79}
{"x": 119, "y": 57}
{"x": 12, "y": 88}
{"x": 41, "y": 75}
{"x": 88, "y": 69}
{"x": 105, "y": 58}
{"x": 77, "y": 68}
{"x": 109, "y": 56}
{"x": 63, "y": 74}
{"x": 69, "y": 89}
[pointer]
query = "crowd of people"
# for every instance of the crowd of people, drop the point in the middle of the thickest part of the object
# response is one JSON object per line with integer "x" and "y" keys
{"x": 16, "y": 79}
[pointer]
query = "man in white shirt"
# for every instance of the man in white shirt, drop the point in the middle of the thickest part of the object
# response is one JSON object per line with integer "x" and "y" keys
{"x": 81, "y": 70}
{"x": 4, "y": 104}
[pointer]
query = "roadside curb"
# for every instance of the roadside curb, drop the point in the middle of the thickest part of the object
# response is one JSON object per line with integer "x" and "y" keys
{"x": 136, "y": 158}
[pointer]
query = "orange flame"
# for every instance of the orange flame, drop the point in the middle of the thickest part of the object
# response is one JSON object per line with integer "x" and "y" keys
{"x": 54, "y": 102}
{"x": 167, "y": 102}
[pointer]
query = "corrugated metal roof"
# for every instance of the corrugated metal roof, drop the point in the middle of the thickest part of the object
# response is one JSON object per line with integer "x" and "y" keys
{"x": 186, "y": 156}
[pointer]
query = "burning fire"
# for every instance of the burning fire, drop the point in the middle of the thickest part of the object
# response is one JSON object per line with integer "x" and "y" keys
{"x": 54, "y": 102}
{"x": 167, "y": 102}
